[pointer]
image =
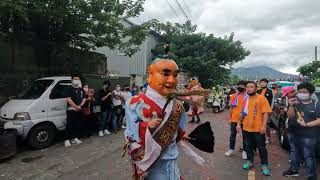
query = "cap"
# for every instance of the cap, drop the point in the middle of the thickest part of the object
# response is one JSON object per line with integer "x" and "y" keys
{"x": 286, "y": 90}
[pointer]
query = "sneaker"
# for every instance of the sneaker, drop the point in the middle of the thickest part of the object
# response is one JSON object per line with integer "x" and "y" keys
{"x": 244, "y": 155}
{"x": 101, "y": 133}
{"x": 229, "y": 152}
{"x": 76, "y": 141}
{"x": 248, "y": 165}
{"x": 67, "y": 143}
{"x": 123, "y": 127}
{"x": 265, "y": 170}
{"x": 106, "y": 132}
{"x": 290, "y": 173}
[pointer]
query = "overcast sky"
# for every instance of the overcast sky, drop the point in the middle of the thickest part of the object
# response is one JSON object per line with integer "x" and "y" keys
{"x": 281, "y": 34}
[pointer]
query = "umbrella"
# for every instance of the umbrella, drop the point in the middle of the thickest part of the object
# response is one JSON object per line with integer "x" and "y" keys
{"x": 202, "y": 137}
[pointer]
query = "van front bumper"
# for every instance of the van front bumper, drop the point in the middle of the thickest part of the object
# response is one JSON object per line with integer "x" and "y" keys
{"x": 19, "y": 126}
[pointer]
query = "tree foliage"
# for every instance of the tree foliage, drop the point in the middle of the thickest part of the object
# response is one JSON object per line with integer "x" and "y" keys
{"x": 310, "y": 70}
{"x": 203, "y": 55}
{"x": 86, "y": 24}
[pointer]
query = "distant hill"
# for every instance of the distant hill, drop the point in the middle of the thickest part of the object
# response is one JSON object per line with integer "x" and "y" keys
{"x": 258, "y": 72}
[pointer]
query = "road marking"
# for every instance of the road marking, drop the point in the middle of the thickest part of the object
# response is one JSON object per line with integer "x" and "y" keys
{"x": 251, "y": 175}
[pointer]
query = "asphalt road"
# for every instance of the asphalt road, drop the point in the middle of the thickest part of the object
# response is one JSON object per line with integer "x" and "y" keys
{"x": 99, "y": 159}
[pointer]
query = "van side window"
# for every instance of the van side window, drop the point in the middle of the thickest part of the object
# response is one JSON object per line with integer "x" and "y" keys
{"x": 59, "y": 90}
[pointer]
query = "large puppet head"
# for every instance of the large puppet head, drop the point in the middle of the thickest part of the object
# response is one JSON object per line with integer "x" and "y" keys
{"x": 193, "y": 82}
{"x": 162, "y": 76}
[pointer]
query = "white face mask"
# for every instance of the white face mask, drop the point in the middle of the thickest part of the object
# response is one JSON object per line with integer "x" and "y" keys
{"x": 303, "y": 96}
{"x": 76, "y": 83}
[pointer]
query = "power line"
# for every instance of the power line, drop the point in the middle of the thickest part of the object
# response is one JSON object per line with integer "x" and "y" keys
{"x": 177, "y": 13}
{"x": 174, "y": 11}
{"x": 182, "y": 10}
{"x": 188, "y": 9}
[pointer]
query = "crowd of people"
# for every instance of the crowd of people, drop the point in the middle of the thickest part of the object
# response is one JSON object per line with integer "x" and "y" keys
{"x": 82, "y": 112}
{"x": 250, "y": 109}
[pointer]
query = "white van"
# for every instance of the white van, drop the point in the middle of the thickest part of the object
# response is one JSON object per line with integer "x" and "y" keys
{"x": 38, "y": 112}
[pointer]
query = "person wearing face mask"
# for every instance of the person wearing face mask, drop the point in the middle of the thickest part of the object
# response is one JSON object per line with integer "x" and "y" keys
{"x": 134, "y": 90}
{"x": 268, "y": 93}
{"x": 255, "y": 114}
{"x": 75, "y": 100}
{"x": 88, "y": 110}
{"x": 304, "y": 122}
{"x": 117, "y": 108}
{"x": 235, "y": 115}
{"x": 106, "y": 105}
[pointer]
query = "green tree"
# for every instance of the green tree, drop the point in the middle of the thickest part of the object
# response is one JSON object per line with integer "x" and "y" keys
{"x": 203, "y": 55}
{"x": 86, "y": 24}
{"x": 310, "y": 70}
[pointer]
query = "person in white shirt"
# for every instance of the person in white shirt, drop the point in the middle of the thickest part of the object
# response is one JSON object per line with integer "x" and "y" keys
{"x": 117, "y": 108}
{"x": 126, "y": 94}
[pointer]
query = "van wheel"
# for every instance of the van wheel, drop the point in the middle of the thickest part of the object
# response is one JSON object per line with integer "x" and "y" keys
{"x": 41, "y": 136}
{"x": 216, "y": 109}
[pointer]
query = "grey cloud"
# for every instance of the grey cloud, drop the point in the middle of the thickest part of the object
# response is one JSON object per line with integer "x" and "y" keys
{"x": 281, "y": 34}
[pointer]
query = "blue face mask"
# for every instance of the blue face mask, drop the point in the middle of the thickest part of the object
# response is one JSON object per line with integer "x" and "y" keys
{"x": 303, "y": 96}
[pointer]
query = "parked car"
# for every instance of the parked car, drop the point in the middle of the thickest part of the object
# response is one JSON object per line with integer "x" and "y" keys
{"x": 279, "y": 120}
{"x": 38, "y": 112}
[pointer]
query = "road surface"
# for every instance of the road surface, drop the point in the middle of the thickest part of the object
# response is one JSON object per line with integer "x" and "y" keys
{"x": 99, "y": 159}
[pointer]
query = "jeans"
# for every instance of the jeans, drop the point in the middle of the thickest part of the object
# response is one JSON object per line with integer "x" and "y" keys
{"x": 115, "y": 121}
{"x": 256, "y": 140}
{"x": 308, "y": 147}
{"x": 116, "y": 115}
{"x": 105, "y": 119}
{"x": 233, "y": 136}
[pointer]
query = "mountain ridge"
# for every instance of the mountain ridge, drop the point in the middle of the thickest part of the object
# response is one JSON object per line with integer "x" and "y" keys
{"x": 258, "y": 72}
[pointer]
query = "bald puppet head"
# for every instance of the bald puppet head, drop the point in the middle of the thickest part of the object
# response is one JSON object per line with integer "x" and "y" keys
{"x": 162, "y": 76}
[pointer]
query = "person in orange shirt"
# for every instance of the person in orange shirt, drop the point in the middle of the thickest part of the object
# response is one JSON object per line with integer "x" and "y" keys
{"x": 255, "y": 115}
{"x": 235, "y": 115}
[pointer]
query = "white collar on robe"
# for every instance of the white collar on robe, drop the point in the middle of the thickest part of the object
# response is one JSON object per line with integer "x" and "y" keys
{"x": 156, "y": 97}
{"x": 160, "y": 101}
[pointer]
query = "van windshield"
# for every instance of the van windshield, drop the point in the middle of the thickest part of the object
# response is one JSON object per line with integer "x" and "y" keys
{"x": 36, "y": 89}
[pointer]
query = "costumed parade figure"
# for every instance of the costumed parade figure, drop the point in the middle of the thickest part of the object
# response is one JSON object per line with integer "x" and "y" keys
{"x": 196, "y": 101}
{"x": 156, "y": 123}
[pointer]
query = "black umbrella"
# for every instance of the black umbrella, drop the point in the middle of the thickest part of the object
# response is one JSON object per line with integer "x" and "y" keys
{"x": 202, "y": 137}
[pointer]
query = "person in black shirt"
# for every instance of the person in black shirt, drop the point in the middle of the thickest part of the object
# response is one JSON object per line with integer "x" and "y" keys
{"x": 106, "y": 107}
{"x": 89, "y": 118}
{"x": 266, "y": 92}
{"x": 304, "y": 118}
{"x": 75, "y": 99}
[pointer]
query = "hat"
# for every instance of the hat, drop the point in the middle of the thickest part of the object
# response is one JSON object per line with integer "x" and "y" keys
{"x": 286, "y": 90}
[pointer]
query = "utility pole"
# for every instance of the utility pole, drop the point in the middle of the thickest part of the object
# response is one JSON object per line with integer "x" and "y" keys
{"x": 316, "y": 53}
